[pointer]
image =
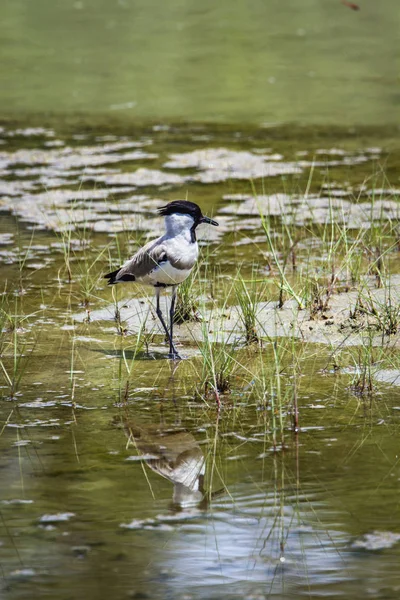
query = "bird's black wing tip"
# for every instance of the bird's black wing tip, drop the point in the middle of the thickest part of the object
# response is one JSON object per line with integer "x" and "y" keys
{"x": 112, "y": 277}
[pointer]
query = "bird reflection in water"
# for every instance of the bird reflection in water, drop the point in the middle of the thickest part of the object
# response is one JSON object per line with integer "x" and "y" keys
{"x": 174, "y": 454}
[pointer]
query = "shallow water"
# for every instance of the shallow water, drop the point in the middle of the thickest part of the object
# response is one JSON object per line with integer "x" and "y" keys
{"x": 216, "y": 513}
{"x": 117, "y": 475}
{"x": 264, "y": 62}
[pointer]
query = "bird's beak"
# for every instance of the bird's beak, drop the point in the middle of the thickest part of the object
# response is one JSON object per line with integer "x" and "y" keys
{"x": 209, "y": 221}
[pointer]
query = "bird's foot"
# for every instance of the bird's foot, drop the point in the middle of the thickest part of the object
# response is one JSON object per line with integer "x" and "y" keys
{"x": 174, "y": 355}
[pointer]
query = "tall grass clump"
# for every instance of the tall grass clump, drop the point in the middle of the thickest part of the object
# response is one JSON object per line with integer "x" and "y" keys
{"x": 285, "y": 286}
{"x": 219, "y": 366}
{"x": 379, "y": 312}
{"x": 249, "y": 294}
{"x": 13, "y": 346}
{"x": 343, "y": 256}
{"x": 187, "y": 300}
{"x": 363, "y": 367}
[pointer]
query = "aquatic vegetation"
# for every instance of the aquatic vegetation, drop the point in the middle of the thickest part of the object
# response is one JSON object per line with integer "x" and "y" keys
{"x": 219, "y": 367}
{"x": 14, "y": 348}
{"x": 249, "y": 294}
{"x": 363, "y": 358}
{"x": 380, "y": 311}
{"x": 187, "y": 302}
{"x": 290, "y": 489}
{"x": 283, "y": 283}
{"x": 291, "y": 370}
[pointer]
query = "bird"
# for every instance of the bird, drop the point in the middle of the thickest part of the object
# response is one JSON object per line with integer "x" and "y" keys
{"x": 168, "y": 260}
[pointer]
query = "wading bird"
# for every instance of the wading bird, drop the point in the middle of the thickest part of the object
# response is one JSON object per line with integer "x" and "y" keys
{"x": 168, "y": 260}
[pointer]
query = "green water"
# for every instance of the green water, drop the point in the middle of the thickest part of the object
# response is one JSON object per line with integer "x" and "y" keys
{"x": 258, "y": 61}
{"x": 118, "y": 478}
{"x": 271, "y": 525}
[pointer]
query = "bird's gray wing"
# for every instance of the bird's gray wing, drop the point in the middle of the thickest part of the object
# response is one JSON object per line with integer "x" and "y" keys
{"x": 144, "y": 261}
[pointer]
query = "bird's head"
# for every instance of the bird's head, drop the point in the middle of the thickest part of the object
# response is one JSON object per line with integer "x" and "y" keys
{"x": 182, "y": 214}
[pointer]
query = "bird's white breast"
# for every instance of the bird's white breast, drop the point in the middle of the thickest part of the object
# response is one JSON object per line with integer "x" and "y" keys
{"x": 166, "y": 274}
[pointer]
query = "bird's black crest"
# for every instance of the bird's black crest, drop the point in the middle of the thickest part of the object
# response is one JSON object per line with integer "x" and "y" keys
{"x": 181, "y": 207}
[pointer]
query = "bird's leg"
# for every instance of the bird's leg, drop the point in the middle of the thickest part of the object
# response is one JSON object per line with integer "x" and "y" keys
{"x": 159, "y": 313}
{"x": 173, "y": 352}
{"x": 171, "y": 320}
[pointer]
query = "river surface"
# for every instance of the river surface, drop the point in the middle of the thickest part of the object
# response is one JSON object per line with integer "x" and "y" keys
{"x": 119, "y": 479}
{"x": 247, "y": 61}
{"x": 117, "y": 474}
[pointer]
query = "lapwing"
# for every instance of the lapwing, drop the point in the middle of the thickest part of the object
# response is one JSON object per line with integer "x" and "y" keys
{"x": 168, "y": 260}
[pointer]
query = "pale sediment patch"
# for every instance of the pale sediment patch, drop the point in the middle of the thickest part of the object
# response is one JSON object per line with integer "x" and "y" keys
{"x": 6, "y": 239}
{"x": 390, "y": 376}
{"x": 140, "y": 178}
{"x": 376, "y": 541}
{"x": 340, "y": 324}
{"x": 57, "y": 518}
{"x": 268, "y": 205}
{"x": 28, "y": 132}
{"x": 70, "y": 158}
{"x": 301, "y": 210}
{"x": 15, "y": 188}
{"x": 219, "y": 164}
{"x": 55, "y": 209}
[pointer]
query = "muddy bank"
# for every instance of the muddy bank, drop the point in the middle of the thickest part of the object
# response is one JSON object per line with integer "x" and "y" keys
{"x": 345, "y": 321}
